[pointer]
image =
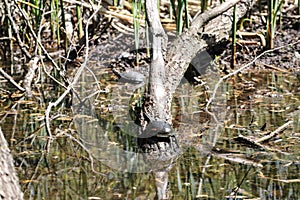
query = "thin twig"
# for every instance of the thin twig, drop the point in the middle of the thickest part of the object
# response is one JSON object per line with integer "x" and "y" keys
{"x": 238, "y": 187}
{"x": 50, "y": 76}
{"x": 272, "y": 134}
{"x": 16, "y": 31}
{"x": 35, "y": 36}
{"x": 36, "y": 170}
{"x": 87, "y": 151}
{"x": 239, "y": 70}
{"x": 11, "y": 80}
{"x": 199, "y": 193}
{"x": 70, "y": 87}
{"x": 12, "y": 108}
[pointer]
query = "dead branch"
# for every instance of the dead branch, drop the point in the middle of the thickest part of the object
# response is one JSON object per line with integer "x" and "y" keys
{"x": 11, "y": 80}
{"x": 273, "y": 133}
{"x": 254, "y": 143}
{"x": 238, "y": 158}
{"x": 71, "y": 86}
{"x": 184, "y": 48}
{"x": 15, "y": 29}
{"x": 167, "y": 75}
{"x": 199, "y": 20}
{"x": 249, "y": 141}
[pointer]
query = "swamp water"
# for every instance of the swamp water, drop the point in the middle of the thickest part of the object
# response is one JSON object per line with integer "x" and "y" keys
{"x": 227, "y": 166}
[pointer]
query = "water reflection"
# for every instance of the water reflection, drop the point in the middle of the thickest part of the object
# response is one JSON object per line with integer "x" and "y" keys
{"x": 106, "y": 122}
{"x": 256, "y": 103}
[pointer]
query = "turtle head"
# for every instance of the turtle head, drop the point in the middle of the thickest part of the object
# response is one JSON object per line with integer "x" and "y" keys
{"x": 157, "y": 128}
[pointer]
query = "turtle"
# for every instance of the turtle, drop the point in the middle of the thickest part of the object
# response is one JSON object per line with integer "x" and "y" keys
{"x": 130, "y": 76}
{"x": 156, "y": 128}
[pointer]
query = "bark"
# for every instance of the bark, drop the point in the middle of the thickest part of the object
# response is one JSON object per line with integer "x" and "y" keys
{"x": 157, "y": 93}
{"x": 184, "y": 48}
{"x": 9, "y": 183}
{"x": 33, "y": 65}
{"x": 161, "y": 184}
{"x": 181, "y": 52}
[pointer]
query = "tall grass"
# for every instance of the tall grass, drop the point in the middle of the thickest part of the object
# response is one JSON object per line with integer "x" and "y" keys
{"x": 36, "y": 10}
{"x": 182, "y": 17}
{"x": 54, "y": 22}
{"x": 274, "y": 7}
{"x": 136, "y": 10}
{"x": 80, "y": 25}
{"x": 204, "y": 4}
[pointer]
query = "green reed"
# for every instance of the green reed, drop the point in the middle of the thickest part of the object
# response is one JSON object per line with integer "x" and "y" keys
{"x": 63, "y": 19}
{"x": 274, "y": 7}
{"x": 147, "y": 40}
{"x": 80, "y": 26}
{"x": 36, "y": 10}
{"x": 186, "y": 19}
{"x": 9, "y": 31}
{"x": 136, "y": 10}
{"x": 182, "y": 18}
{"x": 204, "y": 4}
{"x": 54, "y": 22}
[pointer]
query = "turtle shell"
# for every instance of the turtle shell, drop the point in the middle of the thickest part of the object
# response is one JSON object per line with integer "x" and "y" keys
{"x": 156, "y": 128}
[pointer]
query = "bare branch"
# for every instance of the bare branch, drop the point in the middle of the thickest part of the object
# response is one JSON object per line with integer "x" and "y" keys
{"x": 11, "y": 80}
{"x": 15, "y": 29}
{"x": 187, "y": 45}
{"x": 272, "y": 134}
{"x": 70, "y": 87}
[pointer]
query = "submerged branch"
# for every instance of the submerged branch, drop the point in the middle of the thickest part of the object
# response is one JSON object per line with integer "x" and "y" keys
{"x": 241, "y": 69}
{"x": 11, "y": 80}
{"x": 272, "y": 134}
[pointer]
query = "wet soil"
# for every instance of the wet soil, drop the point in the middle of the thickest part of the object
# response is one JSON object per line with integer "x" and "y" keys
{"x": 118, "y": 50}
{"x": 285, "y": 56}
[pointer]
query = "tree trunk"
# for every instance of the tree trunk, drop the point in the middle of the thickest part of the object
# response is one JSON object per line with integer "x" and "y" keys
{"x": 182, "y": 50}
{"x": 9, "y": 183}
{"x": 156, "y": 93}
